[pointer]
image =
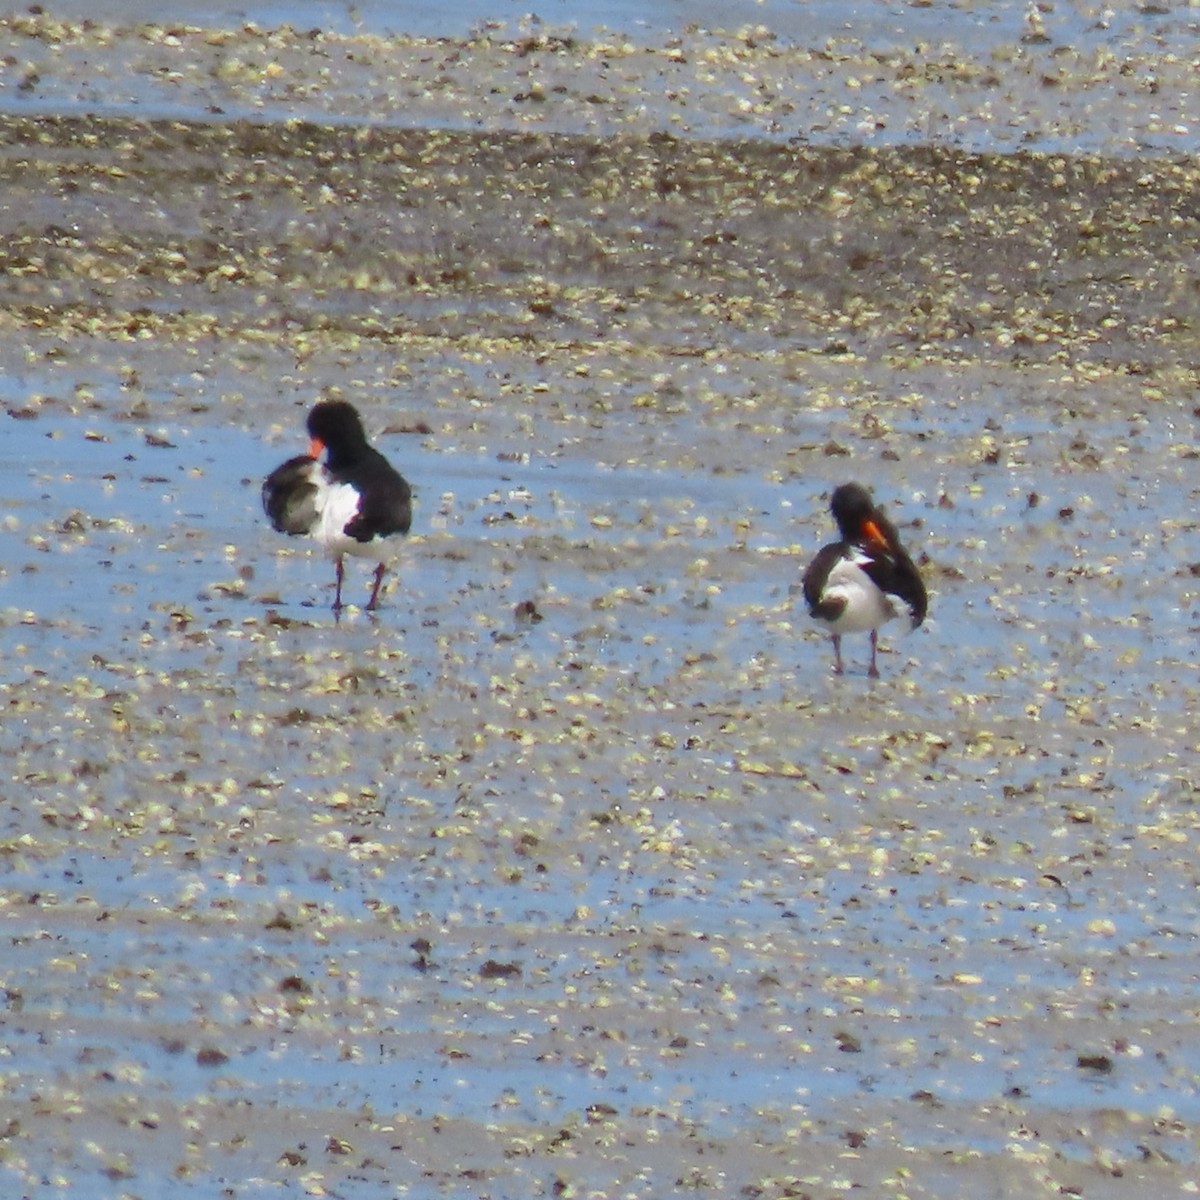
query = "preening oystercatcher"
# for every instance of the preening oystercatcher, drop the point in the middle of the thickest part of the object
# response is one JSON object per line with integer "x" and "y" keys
{"x": 355, "y": 502}
{"x": 866, "y": 579}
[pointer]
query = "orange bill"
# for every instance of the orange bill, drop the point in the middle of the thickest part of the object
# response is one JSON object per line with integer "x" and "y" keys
{"x": 875, "y": 535}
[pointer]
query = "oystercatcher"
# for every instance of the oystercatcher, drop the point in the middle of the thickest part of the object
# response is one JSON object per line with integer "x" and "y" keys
{"x": 864, "y": 580}
{"x": 355, "y": 502}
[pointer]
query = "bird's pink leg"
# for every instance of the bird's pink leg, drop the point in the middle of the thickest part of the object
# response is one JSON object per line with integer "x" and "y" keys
{"x": 837, "y": 653}
{"x": 874, "y": 671}
{"x": 374, "y": 600}
{"x": 337, "y": 599}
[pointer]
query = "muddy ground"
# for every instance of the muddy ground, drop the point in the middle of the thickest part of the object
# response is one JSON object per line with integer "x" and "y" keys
{"x": 633, "y": 898}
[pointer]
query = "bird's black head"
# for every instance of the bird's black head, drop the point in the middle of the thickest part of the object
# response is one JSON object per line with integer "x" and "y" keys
{"x": 852, "y": 507}
{"x": 335, "y": 424}
{"x": 862, "y": 524}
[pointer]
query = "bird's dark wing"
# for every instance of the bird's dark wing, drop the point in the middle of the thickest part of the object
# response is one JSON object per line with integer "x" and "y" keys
{"x": 290, "y": 495}
{"x": 895, "y": 574}
{"x": 816, "y": 576}
{"x": 385, "y": 499}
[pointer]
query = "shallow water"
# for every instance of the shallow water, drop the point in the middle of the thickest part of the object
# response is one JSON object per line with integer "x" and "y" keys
{"x": 1067, "y": 78}
{"x": 636, "y": 899}
{"x": 977, "y": 24}
{"x": 705, "y": 900}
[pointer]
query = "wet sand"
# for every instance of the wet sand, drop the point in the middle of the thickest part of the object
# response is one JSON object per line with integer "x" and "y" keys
{"x": 635, "y": 899}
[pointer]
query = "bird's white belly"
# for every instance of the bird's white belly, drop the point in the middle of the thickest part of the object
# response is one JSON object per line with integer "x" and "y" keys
{"x": 338, "y": 507}
{"x": 867, "y": 606}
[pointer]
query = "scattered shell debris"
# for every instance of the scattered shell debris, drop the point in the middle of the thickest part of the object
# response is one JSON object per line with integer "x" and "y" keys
{"x": 575, "y": 872}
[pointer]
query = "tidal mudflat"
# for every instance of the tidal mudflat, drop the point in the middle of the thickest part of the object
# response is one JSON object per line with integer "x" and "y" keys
{"x": 574, "y": 871}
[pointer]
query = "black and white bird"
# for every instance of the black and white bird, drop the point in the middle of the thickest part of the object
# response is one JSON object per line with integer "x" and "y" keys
{"x": 355, "y": 502}
{"x": 863, "y": 581}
